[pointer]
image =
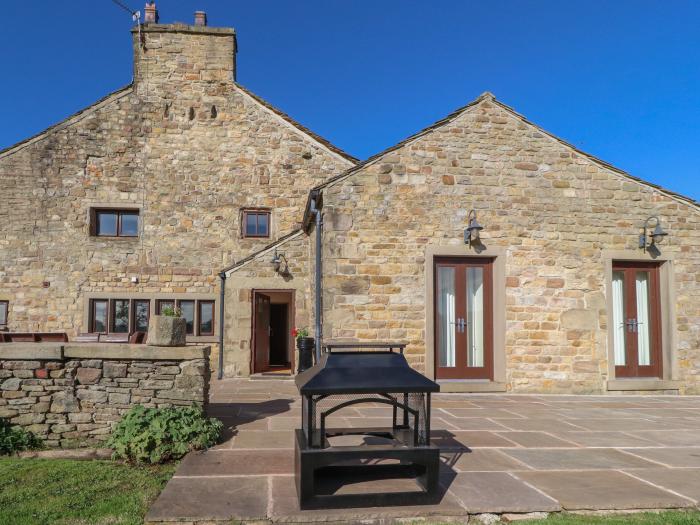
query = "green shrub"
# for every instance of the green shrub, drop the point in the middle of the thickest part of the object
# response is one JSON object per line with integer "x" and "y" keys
{"x": 156, "y": 435}
{"x": 15, "y": 439}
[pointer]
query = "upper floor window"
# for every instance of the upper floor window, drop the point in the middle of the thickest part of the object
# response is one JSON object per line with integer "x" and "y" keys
{"x": 4, "y": 307}
{"x": 114, "y": 222}
{"x": 256, "y": 223}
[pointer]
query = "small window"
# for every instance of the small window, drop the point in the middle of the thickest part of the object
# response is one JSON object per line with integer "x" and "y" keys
{"x": 114, "y": 223}
{"x": 187, "y": 311}
{"x": 256, "y": 223}
{"x": 206, "y": 317}
{"x": 98, "y": 316}
{"x": 4, "y": 307}
{"x": 162, "y": 304}
{"x": 142, "y": 309}
{"x": 120, "y": 316}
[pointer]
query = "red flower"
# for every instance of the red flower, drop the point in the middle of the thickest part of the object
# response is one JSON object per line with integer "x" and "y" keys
{"x": 294, "y": 332}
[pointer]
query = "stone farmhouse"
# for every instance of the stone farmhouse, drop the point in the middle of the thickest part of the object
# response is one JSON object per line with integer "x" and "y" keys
{"x": 505, "y": 258}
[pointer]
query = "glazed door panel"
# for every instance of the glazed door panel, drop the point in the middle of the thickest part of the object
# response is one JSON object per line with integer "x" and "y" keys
{"x": 636, "y": 320}
{"x": 463, "y": 318}
{"x": 261, "y": 321}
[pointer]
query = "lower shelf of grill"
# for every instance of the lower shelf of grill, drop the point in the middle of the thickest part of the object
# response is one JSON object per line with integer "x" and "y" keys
{"x": 365, "y": 475}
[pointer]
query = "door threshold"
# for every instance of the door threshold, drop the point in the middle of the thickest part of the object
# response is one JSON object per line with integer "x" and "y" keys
{"x": 266, "y": 376}
{"x": 471, "y": 385}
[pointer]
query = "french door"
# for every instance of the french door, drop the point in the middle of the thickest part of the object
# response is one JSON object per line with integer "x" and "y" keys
{"x": 636, "y": 319}
{"x": 463, "y": 318}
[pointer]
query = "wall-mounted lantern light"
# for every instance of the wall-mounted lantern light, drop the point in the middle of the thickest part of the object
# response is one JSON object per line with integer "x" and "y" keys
{"x": 279, "y": 263}
{"x": 651, "y": 238}
{"x": 471, "y": 234}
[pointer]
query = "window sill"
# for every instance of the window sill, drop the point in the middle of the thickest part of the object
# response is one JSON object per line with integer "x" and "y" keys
{"x": 470, "y": 385}
{"x": 642, "y": 384}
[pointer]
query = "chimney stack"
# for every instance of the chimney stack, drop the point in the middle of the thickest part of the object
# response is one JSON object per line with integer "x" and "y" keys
{"x": 200, "y": 18}
{"x": 150, "y": 13}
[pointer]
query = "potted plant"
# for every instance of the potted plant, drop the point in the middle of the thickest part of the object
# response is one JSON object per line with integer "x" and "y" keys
{"x": 305, "y": 345}
{"x": 167, "y": 329}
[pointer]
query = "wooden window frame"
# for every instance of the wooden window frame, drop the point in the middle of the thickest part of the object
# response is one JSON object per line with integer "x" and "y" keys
{"x": 133, "y": 313}
{"x": 199, "y": 317}
{"x": 3, "y": 322}
{"x": 92, "y": 316}
{"x": 632, "y": 369}
{"x": 112, "y": 312}
{"x": 178, "y": 303}
{"x": 256, "y": 212}
{"x": 94, "y": 212}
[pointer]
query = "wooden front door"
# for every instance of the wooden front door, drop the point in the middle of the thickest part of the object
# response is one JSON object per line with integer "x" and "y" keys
{"x": 463, "y": 318}
{"x": 636, "y": 319}
{"x": 261, "y": 327}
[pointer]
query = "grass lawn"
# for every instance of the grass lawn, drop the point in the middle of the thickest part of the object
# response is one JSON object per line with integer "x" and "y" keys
{"x": 644, "y": 518}
{"x": 62, "y": 492}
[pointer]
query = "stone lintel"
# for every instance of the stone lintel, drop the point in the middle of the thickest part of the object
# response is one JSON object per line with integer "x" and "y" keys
{"x": 127, "y": 351}
{"x": 30, "y": 351}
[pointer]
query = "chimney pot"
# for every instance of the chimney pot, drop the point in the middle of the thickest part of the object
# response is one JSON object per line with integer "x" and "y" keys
{"x": 200, "y": 18}
{"x": 150, "y": 13}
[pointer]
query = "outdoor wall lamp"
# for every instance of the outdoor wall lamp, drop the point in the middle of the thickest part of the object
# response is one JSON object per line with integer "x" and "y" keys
{"x": 471, "y": 234}
{"x": 647, "y": 238}
{"x": 277, "y": 263}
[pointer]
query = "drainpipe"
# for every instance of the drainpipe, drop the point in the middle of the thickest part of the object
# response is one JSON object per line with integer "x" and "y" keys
{"x": 319, "y": 230}
{"x": 222, "y": 295}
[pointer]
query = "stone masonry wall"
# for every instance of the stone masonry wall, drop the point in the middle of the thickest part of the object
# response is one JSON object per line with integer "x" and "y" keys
{"x": 550, "y": 209}
{"x": 259, "y": 274}
{"x": 73, "y": 395}
{"x": 187, "y": 147}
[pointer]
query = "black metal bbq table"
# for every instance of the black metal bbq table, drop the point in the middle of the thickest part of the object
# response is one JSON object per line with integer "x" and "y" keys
{"x": 352, "y": 374}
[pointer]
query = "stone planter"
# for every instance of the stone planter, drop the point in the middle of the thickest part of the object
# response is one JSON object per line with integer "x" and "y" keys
{"x": 306, "y": 346}
{"x": 167, "y": 331}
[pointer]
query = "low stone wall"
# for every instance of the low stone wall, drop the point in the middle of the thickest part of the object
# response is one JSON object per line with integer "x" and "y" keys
{"x": 72, "y": 394}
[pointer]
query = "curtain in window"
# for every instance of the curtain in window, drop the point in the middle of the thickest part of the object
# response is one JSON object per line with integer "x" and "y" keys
{"x": 618, "y": 297}
{"x": 475, "y": 317}
{"x": 643, "y": 349}
{"x": 446, "y": 316}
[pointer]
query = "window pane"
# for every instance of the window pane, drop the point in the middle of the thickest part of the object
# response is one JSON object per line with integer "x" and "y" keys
{"x": 120, "y": 316}
{"x": 206, "y": 318}
{"x": 643, "y": 319}
{"x": 99, "y": 316}
{"x": 618, "y": 299}
{"x": 3, "y": 312}
{"x": 187, "y": 308}
{"x": 163, "y": 304}
{"x": 475, "y": 316}
{"x": 130, "y": 224}
{"x": 141, "y": 316}
{"x": 251, "y": 224}
{"x": 262, "y": 223}
{"x": 446, "y": 316}
{"x": 106, "y": 223}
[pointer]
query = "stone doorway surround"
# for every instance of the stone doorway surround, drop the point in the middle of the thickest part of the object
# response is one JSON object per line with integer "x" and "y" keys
{"x": 498, "y": 255}
{"x": 668, "y": 322}
{"x": 500, "y": 453}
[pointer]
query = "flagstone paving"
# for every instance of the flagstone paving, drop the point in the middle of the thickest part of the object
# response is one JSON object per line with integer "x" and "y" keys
{"x": 500, "y": 454}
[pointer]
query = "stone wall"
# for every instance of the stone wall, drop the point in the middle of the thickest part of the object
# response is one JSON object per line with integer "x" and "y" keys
{"x": 72, "y": 395}
{"x": 186, "y": 146}
{"x": 258, "y": 273}
{"x": 551, "y": 211}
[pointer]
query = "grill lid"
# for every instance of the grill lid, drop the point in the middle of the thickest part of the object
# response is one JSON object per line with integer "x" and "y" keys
{"x": 363, "y": 372}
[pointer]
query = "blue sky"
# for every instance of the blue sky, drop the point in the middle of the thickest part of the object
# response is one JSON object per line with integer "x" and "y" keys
{"x": 619, "y": 79}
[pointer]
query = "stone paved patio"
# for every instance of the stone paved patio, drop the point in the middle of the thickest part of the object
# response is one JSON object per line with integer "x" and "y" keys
{"x": 501, "y": 454}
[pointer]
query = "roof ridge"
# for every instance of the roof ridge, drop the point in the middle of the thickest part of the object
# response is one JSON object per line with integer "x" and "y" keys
{"x": 490, "y": 97}
{"x": 593, "y": 158}
{"x": 54, "y": 127}
{"x": 284, "y": 116}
